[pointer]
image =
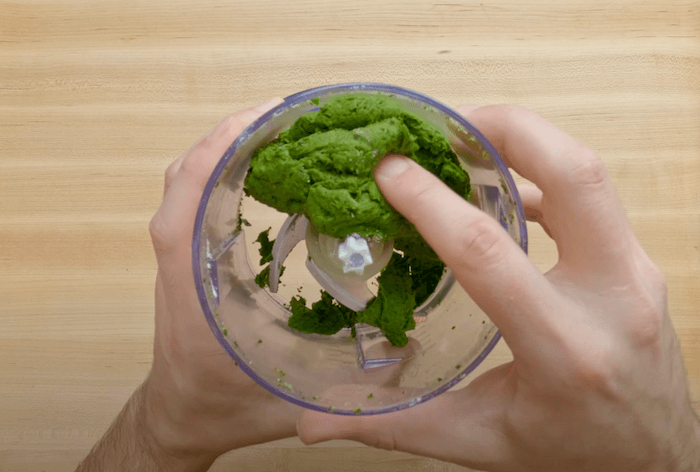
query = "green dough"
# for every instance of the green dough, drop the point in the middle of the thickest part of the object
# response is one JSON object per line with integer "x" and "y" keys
{"x": 324, "y": 317}
{"x": 323, "y": 167}
{"x": 392, "y": 309}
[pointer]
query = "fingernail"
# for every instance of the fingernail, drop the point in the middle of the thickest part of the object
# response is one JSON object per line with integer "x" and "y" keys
{"x": 392, "y": 166}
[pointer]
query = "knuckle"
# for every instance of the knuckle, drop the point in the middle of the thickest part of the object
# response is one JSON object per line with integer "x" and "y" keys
{"x": 592, "y": 368}
{"x": 658, "y": 283}
{"x": 384, "y": 441}
{"x": 170, "y": 173}
{"x": 517, "y": 113}
{"x": 478, "y": 244}
{"x": 160, "y": 234}
{"x": 421, "y": 190}
{"x": 236, "y": 123}
{"x": 645, "y": 323}
{"x": 230, "y": 122}
{"x": 425, "y": 189}
{"x": 588, "y": 169}
{"x": 191, "y": 165}
{"x": 645, "y": 326}
{"x": 205, "y": 144}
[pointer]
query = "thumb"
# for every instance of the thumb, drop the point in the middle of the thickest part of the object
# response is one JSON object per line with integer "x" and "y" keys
{"x": 411, "y": 430}
{"x": 463, "y": 426}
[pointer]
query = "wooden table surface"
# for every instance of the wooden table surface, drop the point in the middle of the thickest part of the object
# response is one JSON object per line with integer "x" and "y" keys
{"x": 97, "y": 98}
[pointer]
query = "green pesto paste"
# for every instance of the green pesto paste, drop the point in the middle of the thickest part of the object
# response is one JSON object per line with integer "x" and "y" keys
{"x": 322, "y": 167}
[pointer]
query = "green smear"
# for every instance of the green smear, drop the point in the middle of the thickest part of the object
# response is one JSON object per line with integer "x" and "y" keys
{"x": 326, "y": 316}
{"x": 392, "y": 309}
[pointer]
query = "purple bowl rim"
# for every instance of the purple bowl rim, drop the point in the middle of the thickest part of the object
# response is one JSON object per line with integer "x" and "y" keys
{"x": 289, "y": 102}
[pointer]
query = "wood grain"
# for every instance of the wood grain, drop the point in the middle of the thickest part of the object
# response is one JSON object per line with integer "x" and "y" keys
{"x": 97, "y": 98}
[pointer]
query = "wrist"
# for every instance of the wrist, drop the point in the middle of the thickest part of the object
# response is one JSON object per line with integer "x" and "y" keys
{"x": 161, "y": 440}
{"x": 130, "y": 445}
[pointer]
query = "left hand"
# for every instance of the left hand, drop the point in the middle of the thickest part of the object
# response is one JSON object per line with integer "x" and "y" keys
{"x": 197, "y": 403}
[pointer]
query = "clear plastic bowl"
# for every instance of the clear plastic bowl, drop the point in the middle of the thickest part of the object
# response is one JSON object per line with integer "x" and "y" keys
{"x": 341, "y": 374}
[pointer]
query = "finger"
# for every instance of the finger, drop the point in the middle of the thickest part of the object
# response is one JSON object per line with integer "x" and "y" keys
{"x": 531, "y": 197}
{"x": 464, "y": 426}
{"x": 173, "y": 224}
{"x": 484, "y": 259}
{"x": 199, "y": 162}
{"x": 583, "y": 213}
{"x": 174, "y": 168}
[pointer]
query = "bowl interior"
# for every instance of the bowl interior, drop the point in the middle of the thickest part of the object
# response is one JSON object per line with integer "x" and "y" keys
{"x": 339, "y": 373}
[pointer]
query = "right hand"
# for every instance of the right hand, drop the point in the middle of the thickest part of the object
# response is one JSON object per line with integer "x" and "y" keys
{"x": 597, "y": 382}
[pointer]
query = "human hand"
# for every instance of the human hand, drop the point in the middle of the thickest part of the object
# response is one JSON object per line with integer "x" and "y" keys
{"x": 597, "y": 381}
{"x": 198, "y": 404}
